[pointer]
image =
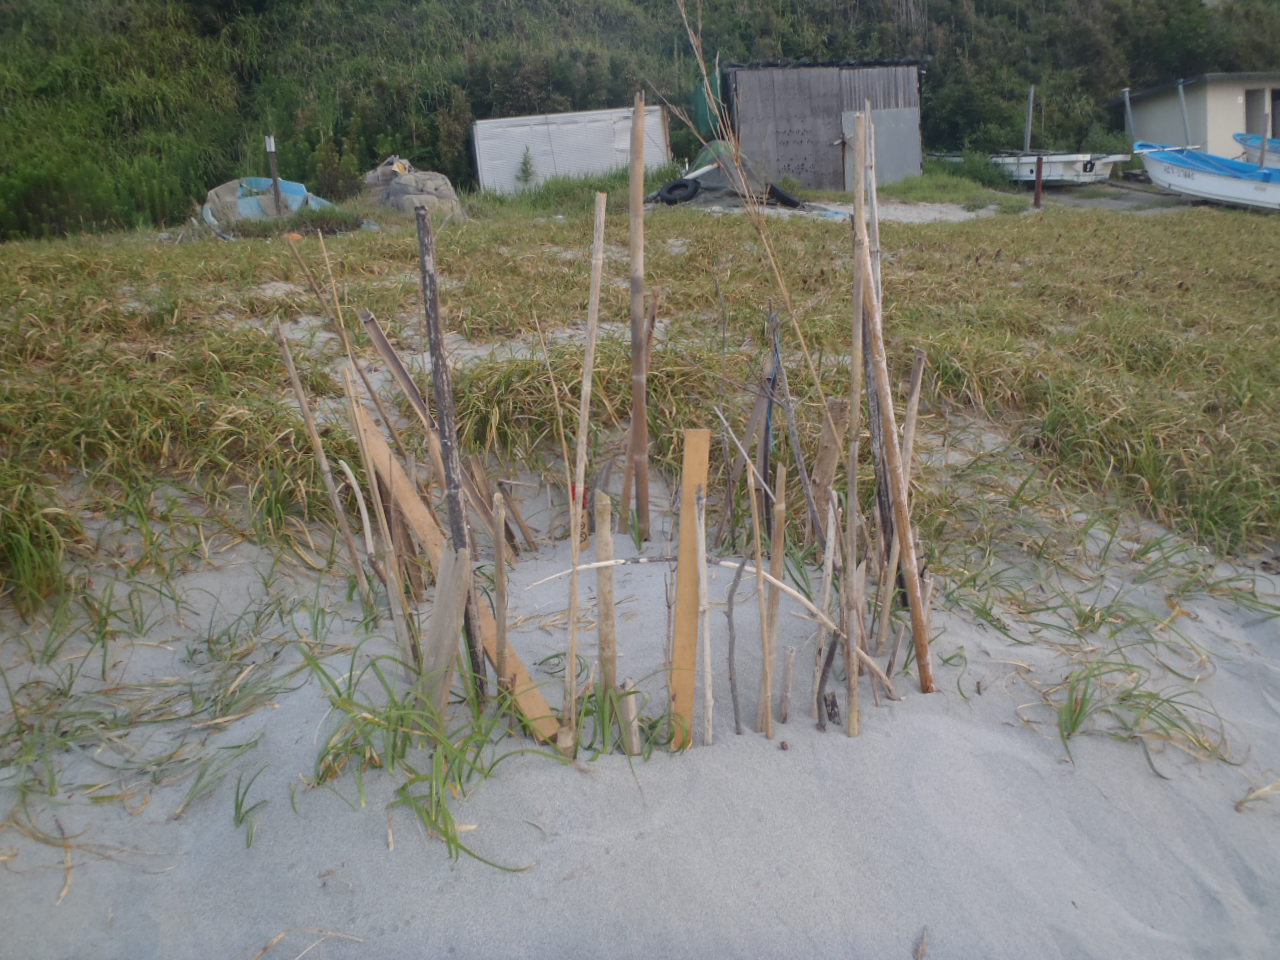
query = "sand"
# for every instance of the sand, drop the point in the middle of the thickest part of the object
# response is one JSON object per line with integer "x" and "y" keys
{"x": 955, "y": 826}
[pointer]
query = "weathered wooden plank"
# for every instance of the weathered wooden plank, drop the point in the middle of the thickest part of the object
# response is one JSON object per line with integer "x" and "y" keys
{"x": 684, "y": 654}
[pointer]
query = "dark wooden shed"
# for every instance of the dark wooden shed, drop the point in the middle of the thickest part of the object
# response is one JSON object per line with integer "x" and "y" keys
{"x": 793, "y": 120}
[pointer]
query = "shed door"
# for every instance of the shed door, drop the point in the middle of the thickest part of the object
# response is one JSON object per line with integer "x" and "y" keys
{"x": 1255, "y": 111}
{"x": 897, "y": 134}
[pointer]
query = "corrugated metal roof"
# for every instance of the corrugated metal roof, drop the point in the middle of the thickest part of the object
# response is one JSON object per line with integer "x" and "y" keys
{"x": 1264, "y": 77}
{"x": 563, "y": 144}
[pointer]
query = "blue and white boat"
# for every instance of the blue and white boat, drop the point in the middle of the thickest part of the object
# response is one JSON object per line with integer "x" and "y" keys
{"x": 1251, "y": 143}
{"x": 253, "y": 198}
{"x": 1207, "y": 176}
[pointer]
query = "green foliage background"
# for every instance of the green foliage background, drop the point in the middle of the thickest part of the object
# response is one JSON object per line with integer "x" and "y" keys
{"x": 122, "y": 112}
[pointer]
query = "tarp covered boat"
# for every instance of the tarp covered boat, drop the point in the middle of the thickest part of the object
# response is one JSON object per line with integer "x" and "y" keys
{"x": 252, "y": 198}
{"x": 1207, "y": 176}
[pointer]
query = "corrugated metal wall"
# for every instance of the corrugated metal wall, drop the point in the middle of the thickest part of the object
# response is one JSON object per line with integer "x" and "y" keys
{"x": 564, "y": 144}
{"x": 788, "y": 118}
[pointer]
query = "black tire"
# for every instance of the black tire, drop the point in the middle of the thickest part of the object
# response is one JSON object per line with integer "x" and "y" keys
{"x": 779, "y": 196}
{"x": 679, "y": 191}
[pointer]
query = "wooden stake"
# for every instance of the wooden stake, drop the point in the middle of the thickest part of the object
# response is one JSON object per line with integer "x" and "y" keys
{"x": 638, "y": 451}
{"x": 828, "y": 577}
{"x": 442, "y": 386}
{"x": 684, "y": 654}
{"x": 829, "y": 449}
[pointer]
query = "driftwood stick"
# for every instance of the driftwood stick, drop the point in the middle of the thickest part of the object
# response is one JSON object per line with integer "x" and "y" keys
{"x": 733, "y": 647}
{"x": 326, "y": 474}
{"x": 500, "y": 587}
{"x": 638, "y": 455}
{"x": 822, "y": 618}
{"x": 513, "y": 507}
{"x": 777, "y": 567}
{"x": 442, "y": 386}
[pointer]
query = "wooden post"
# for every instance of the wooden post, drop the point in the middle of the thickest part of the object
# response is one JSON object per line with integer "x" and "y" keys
{"x": 684, "y": 654}
{"x": 275, "y": 177}
{"x": 1039, "y": 201}
{"x": 630, "y": 719}
{"x": 638, "y": 450}
{"x": 442, "y": 386}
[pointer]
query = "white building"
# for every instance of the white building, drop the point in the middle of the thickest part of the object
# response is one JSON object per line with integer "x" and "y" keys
{"x": 1218, "y": 106}
{"x": 514, "y": 153}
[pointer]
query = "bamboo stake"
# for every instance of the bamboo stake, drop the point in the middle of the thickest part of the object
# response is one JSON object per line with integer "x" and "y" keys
{"x": 813, "y": 519}
{"x": 704, "y": 615}
{"x": 441, "y": 383}
{"x": 788, "y": 680}
{"x": 566, "y": 740}
{"x": 891, "y": 568}
{"x": 630, "y": 708}
{"x": 684, "y": 653}
{"x": 638, "y": 456}
{"x": 893, "y": 468}
{"x": 513, "y": 505}
{"x": 317, "y": 448}
{"x": 741, "y": 460}
{"x": 500, "y": 588}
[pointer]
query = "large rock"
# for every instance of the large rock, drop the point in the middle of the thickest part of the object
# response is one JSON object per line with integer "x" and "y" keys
{"x": 395, "y": 183}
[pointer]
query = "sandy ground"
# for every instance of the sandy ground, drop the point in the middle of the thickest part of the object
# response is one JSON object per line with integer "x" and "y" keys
{"x": 954, "y": 826}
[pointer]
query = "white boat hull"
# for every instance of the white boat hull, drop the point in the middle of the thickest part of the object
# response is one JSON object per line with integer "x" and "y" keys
{"x": 1060, "y": 168}
{"x": 1206, "y": 185}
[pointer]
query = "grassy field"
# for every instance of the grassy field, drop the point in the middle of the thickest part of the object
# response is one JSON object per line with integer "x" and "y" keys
{"x": 1134, "y": 355}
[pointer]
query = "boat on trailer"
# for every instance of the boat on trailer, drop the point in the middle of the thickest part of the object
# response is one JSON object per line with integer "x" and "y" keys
{"x": 1059, "y": 168}
{"x": 1207, "y": 176}
{"x": 1251, "y": 143}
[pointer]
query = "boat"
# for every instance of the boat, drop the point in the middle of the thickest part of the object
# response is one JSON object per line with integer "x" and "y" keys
{"x": 1252, "y": 146}
{"x": 1055, "y": 168}
{"x": 1058, "y": 168}
{"x": 1208, "y": 176}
